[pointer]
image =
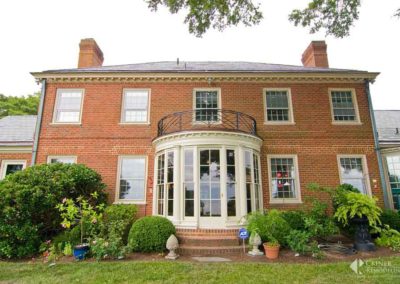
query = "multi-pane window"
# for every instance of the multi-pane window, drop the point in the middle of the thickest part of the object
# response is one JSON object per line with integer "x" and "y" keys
{"x": 207, "y": 106}
{"x": 277, "y": 106}
{"x": 135, "y": 106}
{"x": 231, "y": 182}
{"x": 352, "y": 172}
{"x": 343, "y": 106}
{"x": 165, "y": 184}
{"x": 253, "y": 189}
{"x": 62, "y": 159}
{"x": 68, "y": 106}
{"x": 189, "y": 183}
{"x": 10, "y": 167}
{"x": 283, "y": 178}
{"x": 132, "y": 178}
{"x": 393, "y": 165}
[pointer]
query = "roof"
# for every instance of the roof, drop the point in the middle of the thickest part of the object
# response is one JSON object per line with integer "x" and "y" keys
{"x": 388, "y": 125}
{"x": 201, "y": 66}
{"x": 17, "y": 130}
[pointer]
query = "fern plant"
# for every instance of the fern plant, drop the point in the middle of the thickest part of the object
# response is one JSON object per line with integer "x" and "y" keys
{"x": 353, "y": 204}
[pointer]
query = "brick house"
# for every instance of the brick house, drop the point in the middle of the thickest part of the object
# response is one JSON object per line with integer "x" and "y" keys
{"x": 204, "y": 143}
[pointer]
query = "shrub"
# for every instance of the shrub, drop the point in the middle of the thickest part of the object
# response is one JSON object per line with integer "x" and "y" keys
{"x": 295, "y": 219}
{"x": 389, "y": 238}
{"x": 118, "y": 220}
{"x": 150, "y": 234}
{"x": 298, "y": 241}
{"x": 71, "y": 237}
{"x": 391, "y": 218}
{"x": 28, "y": 199}
{"x": 271, "y": 226}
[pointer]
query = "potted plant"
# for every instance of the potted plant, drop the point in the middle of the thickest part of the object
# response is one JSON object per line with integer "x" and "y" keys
{"x": 361, "y": 211}
{"x": 79, "y": 212}
{"x": 271, "y": 248}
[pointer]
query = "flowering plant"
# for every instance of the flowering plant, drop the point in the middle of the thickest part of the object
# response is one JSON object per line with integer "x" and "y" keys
{"x": 79, "y": 211}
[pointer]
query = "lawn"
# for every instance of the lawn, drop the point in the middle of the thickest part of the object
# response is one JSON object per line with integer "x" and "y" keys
{"x": 386, "y": 270}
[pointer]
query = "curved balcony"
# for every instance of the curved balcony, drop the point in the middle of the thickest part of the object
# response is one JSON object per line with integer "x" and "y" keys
{"x": 206, "y": 119}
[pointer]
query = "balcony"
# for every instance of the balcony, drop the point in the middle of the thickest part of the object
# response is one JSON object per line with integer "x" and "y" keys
{"x": 206, "y": 119}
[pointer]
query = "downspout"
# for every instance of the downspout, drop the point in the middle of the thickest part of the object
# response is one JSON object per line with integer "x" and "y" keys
{"x": 38, "y": 123}
{"x": 377, "y": 147}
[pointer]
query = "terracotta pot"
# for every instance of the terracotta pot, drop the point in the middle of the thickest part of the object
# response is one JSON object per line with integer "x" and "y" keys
{"x": 271, "y": 251}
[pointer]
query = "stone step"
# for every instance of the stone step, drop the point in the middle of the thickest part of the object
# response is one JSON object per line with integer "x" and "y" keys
{"x": 210, "y": 250}
{"x": 209, "y": 240}
{"x": 206, "y": 232}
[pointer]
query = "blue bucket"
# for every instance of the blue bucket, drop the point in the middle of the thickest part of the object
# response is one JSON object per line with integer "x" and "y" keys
{"x": 80, "y": 252}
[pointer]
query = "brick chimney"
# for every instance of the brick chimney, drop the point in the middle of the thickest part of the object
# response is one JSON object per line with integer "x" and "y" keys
{"x": 90, "y": 54}
{"x": 315, "y": 55}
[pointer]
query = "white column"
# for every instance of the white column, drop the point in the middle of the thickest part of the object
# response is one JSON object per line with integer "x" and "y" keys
{"x": 177, "y": 184}
{"x": 241, "y": 184}
{"x": 224, "y": 210}
{"x": 196, "y": 185}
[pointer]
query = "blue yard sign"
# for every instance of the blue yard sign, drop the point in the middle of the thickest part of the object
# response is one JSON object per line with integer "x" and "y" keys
{"x": 243, "y": 233}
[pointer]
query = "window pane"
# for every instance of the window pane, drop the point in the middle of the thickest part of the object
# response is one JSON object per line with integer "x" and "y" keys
{"x": 352, "y": 173}
{"x": 64, "y": 160}
{"x": 68, "y": 105}
{"x": 343, "y": 107}
{"x": 283, "y": 178}
{"x": 207, "y": 106}
{"x": 277, "y": 106}
{"x": 132, "y": 179}
{"x": 133, "y": 168}
{"x": 12, "y": 168}
{"x": 131, "y": 189}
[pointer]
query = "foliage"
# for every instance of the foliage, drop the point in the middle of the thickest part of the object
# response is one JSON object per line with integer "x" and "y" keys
{"x": 80, "y": 211}
{"x": 317, "y": 221}
{"x": 71, "y": 237}
{"x": 271, "y": 226}
{"x": 295, "y": 219}
{"x": 67, "y": 251}
{"x": 19, "y": 105}
{"x": 216, "y": 14}
{"x": 150, "y": 234}
{"x": 112, "y": 247}
{"x": 336, "y": 17}
{"x": 298, "y": 241}
{"x": 118, "y": 220}
{"x": 358, "y": 205}
{"x": 391, "y": 218}
{"x": 28, "y": 215}
{"x": 389, "y": 238}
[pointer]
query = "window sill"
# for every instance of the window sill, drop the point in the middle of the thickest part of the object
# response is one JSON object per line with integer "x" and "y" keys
{"x": 135, "y": 123}
{"x": 279, "y": 123}
{"x": 346, "y": 123}
{"x": 285, "y": 201}
{"x": 129, "y": 202}
{"x": 65, "y": 123}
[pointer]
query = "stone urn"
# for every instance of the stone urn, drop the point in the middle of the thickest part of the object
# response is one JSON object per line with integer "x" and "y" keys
{"x": 255, "y": 242}
{"x": 172, "y": 245}
{"x": 362, "y": 237}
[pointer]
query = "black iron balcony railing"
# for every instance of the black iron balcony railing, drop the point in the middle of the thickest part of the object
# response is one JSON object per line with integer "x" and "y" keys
{"x": 206, "y": 119}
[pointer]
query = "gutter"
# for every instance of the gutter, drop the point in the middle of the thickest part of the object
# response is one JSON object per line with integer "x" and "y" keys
{"x": 38, "y": 123}
{"x": 377, "y": 147}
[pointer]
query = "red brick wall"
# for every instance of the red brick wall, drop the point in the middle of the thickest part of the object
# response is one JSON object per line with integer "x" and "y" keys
{"x": 16, "y": 156}
{"x": 100, "y": 138}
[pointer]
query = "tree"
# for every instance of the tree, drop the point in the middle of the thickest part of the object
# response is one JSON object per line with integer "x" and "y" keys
{"x": 19, "y": 105}
{"x": 334, "y": 16}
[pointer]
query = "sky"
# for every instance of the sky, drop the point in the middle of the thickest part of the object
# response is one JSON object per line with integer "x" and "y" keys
{"x": 44, "y": 34}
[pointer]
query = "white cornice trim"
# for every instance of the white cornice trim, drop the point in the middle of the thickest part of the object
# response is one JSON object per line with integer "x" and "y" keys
{"x": 15, "y": 149}
{"x": 298, "y": 77}
{"x": 198, "y": 138}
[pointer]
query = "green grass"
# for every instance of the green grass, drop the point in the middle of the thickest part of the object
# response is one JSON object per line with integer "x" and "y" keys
{"x": 187, "y": 272}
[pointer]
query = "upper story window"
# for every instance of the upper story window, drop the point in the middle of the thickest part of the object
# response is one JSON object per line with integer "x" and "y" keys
{"x": 135, "y": 106}
{"x": 284, "y": 180}
{"x": 207, "y": 103}
{"x": 68, "y": 107}
{"x": 353, "y": 171}
{"x": 61, "y": 159}
{"x": 278, "y": 106}
{"x": 344, "y": 106}
{"x": 132, "y": 179}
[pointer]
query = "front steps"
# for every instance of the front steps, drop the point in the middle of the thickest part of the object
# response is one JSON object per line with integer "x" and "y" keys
{"x": 209, "y": 242}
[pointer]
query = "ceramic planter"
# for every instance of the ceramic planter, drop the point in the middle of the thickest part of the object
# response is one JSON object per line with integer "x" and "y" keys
{"x": 271, "y": 251}
{"x": 80, "y": 251}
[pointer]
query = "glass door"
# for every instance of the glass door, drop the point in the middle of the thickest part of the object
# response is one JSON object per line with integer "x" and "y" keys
{"x": 210, "y": 190}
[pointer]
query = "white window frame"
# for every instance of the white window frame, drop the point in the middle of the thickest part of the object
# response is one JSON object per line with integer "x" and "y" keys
{"x": 219, "y": 102}
{"x": 57, "y": 100}
{"x": 296, "y": 200}
{"x": 365, "y": 169}
{"x": 49, "y": 158}
{"x": 290, "y": 105}
{"x": 123, "y": 121}
{"x": 5, "y": 163}
{"x": 119, "y": 170}
{"x": 357, "y": 121}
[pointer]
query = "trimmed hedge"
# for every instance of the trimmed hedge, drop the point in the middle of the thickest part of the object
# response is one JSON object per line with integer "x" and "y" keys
{"x": 150, "y": 234}
{"x": 28, "y": 214}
